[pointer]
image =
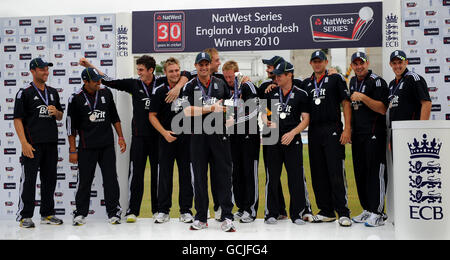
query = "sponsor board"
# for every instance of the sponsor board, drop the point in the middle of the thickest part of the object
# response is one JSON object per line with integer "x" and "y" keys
{"x": 62, "y": 40}
{"x": 260, "y": 28}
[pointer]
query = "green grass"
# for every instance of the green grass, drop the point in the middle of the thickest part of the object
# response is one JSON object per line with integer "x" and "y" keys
{"x": 353, "y": 200}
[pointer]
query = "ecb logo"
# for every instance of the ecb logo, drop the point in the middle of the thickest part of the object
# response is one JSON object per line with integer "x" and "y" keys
{"x": 122, "y": 42}
{"x": 425, "y": 183}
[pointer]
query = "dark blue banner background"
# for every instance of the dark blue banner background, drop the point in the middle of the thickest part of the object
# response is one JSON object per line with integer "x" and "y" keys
{"x": 260, "y": 28}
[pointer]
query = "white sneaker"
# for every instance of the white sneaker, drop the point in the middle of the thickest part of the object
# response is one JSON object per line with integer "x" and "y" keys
{"x": 299, "y": 222}
{"x": 27, "y": 223}
{"x": 246, "y": 218}
{"x": 79, "y": 221}
{"x": 186, "y": 218}
{"x": 271, "y": 221}
{"x": 362, "y": 218}
{"x": 282, "y": 217}
{"x": 375, "y": 220}
{"x": 162, "y": 218}
{"x": 114, "y": 220}
{"x": 51, "y": 220}
{"x": 228, "y": 226}
{"x": 238, "y": 215}
{"x": 131, "y": 218}
{"x": 197, "y": 225}
{"x": 308, "y": 217}
{"x": 320, "y": 218}
{"x": 345, "y": 222}
{"x": 218, "y": 214}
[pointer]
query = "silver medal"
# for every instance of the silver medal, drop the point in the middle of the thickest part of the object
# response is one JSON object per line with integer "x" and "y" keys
{"x": 92, "y": 117}
{"x": 283, "y": 115}
{"x": 229, "y": 103}
{"x": 318, "y": 101}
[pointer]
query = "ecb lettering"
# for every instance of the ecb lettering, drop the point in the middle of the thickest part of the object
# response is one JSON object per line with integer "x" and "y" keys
{"x": 426, "y": 213}
{"x": 392, "y": 44}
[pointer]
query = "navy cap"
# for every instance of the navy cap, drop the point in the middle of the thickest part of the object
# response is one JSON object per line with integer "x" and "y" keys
{"x": 283, "y": 67}
{"x": 398, "y": 55}
{"x": 359, "y": 55}
{"x": 90, "y": 74}
{"x": 318, "y": 55}
{"x": 201, "y": 57}
{"x": 39, "y": 63}
{"x": 274, "y": 61}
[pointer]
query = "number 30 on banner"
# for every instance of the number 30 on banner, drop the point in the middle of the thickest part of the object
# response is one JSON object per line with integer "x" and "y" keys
{"x": 169, "y": 32}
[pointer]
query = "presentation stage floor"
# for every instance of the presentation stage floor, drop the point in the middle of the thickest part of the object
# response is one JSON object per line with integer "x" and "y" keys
{"x": 146, "y": 229}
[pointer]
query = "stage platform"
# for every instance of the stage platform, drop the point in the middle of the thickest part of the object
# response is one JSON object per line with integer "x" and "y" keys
{"x": 146, "y": 229}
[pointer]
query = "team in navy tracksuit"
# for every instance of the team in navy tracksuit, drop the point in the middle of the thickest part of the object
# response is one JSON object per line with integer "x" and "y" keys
{"x": 271, "y": 64}
{"x": 290, "y": 115}
{"x": 163, "y": 114}
{"x": 326, "y": 137}
{"x": 245, "y": 142}
{"x": 144, "y": 144}
{"x": 91, "y": 114}
{"x": 207, "y": 145}
{"x": 36, "y": 110}
{"x": 369, "y": 94}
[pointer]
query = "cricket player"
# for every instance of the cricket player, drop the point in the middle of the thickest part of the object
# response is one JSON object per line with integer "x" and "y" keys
{"x": 91, "y": 114}
{"x": 36, "y": 110}
{"x": 144, "y": 143}
{"x": 369, "y": 96}
{"x": 209, "y": 144}
{"x": 245, "y": 142}
{"x": 172, "y": 146}
{"x": 327, "y": 138}
{"x": 408, "y": 92}
{"x": 291, "y": 117}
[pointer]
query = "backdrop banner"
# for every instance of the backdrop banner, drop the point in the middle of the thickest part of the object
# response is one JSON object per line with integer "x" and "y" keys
{"x": 62, "y": 40}
{"x": 426, "y": 41}
{"x": 262, "y": 28}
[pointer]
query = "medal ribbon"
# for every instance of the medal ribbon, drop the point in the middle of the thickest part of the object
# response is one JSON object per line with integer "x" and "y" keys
{"x": 284, "y": 105}
{"x": 39, "y": 92}
{"x": 237, "y": 92}
{"x": 394, "y": 89}
{"x": 319, "y": 88}
{"x": 145, "y": 88}
{"x": 89, "y": 103}
{"x": 359, "y": 89}
{"x": 205, "y": 97}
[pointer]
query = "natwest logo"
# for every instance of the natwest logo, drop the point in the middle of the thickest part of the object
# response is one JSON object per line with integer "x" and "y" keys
{"x": 432, "y": 69}
{"x": 342, "y": 27}
{"x": 9, "y": 186}
{"x": 411, "y": 4}
{"x": 90, "y": 19}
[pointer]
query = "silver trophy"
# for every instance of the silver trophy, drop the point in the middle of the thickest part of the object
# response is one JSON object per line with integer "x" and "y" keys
{"x": 240, "y": 77}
